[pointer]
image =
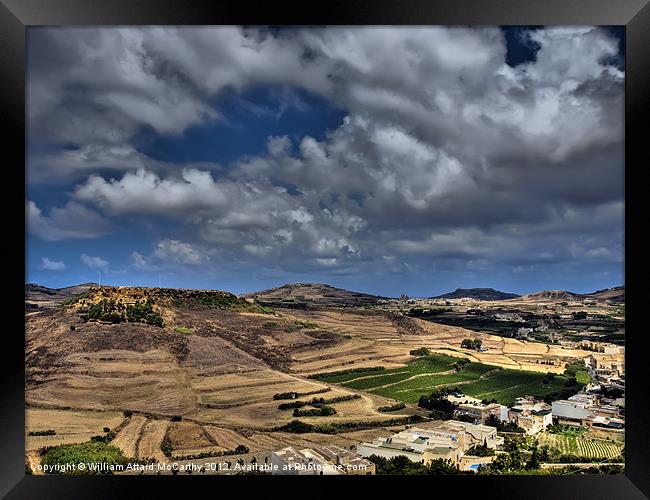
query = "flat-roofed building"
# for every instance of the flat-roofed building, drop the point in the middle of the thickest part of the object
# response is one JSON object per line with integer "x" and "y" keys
{"x": 480, "y": 412}
{"x": 325, "y": 460}
{"x": 531, "y": 415}
{"x": 607, "y": 367}
{"x": 447, "y": 440}
{"x": 569, "y": 412}
{"x": 418, "y": 445}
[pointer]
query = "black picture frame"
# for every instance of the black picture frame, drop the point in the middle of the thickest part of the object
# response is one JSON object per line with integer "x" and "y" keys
{"x": 17, "y": 15}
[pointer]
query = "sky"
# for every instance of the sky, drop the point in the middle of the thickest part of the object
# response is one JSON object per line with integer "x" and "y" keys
{"x": 385, "y": 160}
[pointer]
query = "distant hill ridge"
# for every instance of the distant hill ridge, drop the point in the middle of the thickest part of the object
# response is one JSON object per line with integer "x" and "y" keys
{"x": 614, "y": 294}
{"x": 478, "y": 294}
{"x": 315, "y": 293}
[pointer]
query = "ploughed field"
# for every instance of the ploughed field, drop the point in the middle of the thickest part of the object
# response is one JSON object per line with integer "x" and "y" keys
{"x": 424, "y": 375}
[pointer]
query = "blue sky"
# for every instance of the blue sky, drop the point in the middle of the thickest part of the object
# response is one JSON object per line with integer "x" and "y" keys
{"x": 385, "y": 160}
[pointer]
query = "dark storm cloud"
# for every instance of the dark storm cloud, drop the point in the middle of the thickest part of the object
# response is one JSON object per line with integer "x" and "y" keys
{"x": 446, "y": 150}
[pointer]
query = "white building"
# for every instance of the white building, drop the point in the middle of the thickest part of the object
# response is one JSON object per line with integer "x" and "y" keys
{"x": 321, "y": 461}
{"x": 445, "y": 440}
{"x": 531, "y": 415}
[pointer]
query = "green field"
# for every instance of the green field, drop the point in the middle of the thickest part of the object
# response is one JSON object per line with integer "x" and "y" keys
{"x": 422, "y": 376}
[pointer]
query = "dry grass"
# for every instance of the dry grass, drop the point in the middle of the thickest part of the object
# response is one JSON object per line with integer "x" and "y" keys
{"x": 128, "y": 437}
{"x": 152, "y": 435}
{"x": 70, "y": 426}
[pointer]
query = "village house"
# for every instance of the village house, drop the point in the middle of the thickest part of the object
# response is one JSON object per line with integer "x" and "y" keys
{"x": 531, "y": 415}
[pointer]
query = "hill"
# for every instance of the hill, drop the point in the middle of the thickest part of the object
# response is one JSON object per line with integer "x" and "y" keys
{"x": 42, "y": 297}
{"x": 301, "y": 295}
{"x": 615, "y": 294}
{"x": 478, "y": 294}
{"x": 546, "y": 295}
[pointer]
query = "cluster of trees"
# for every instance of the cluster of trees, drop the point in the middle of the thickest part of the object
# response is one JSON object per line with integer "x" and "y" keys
{"x": 345, "y": 372}
{"x": 91, "y": 452}
{"x": 166, "y": 446}
{"x": 239, "y": 450}
{"x": 494, "y": 421}
{"x": 521, "y": 453}
{"x": 49, "y": 432}
{"x": 419, "y": 311}
{"x": 318, "y": 402}
{"x": 575, "y": 370}
{"x": 294, "y": 395}
{"x": 474, "y": 344}
{"x": 321, "y": 411}
{"x": 441, "y": 408}
{"x": 480, "y": 451}
{"x": 300, "y": 427}
{"x": 116, "y": 312}
{"x": 214, "y": 300}
{"x": 460, "y": 364}
{"x": 106, "y": 438}
{"x": 422, "y": 351}
{"x": 401, "y": 465}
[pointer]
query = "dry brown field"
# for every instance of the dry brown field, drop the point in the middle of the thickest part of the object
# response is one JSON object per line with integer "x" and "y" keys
{"x": 128, "y": 437}
{"x": 70, "y": 426}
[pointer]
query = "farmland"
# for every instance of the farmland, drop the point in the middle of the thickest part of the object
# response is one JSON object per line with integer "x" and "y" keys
{"x": 213, "y": 380}
{"x": 423, "y": 375}
{"x": 580, "y": 446}
{"x": 69, "y": 426}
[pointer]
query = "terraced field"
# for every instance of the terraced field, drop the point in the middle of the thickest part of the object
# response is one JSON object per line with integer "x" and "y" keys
{"x": 422, "y": 376}
{"x": 572, "y": 445}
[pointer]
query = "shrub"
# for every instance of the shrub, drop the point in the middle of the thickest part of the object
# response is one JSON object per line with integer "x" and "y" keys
{"x": 322, "y": 411}
{"x": 396, "y": 406}
{"x": 106, "y": 438}
{"x": 176, "y": 418}
{"x": 49, "y": 432}
{"x": 166, "y": 446}
{"x": 294, "y": 395}
{"x": 184, "y": 329}
{"x": 422, "y": 351}
{"x": 317, "y": 402}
